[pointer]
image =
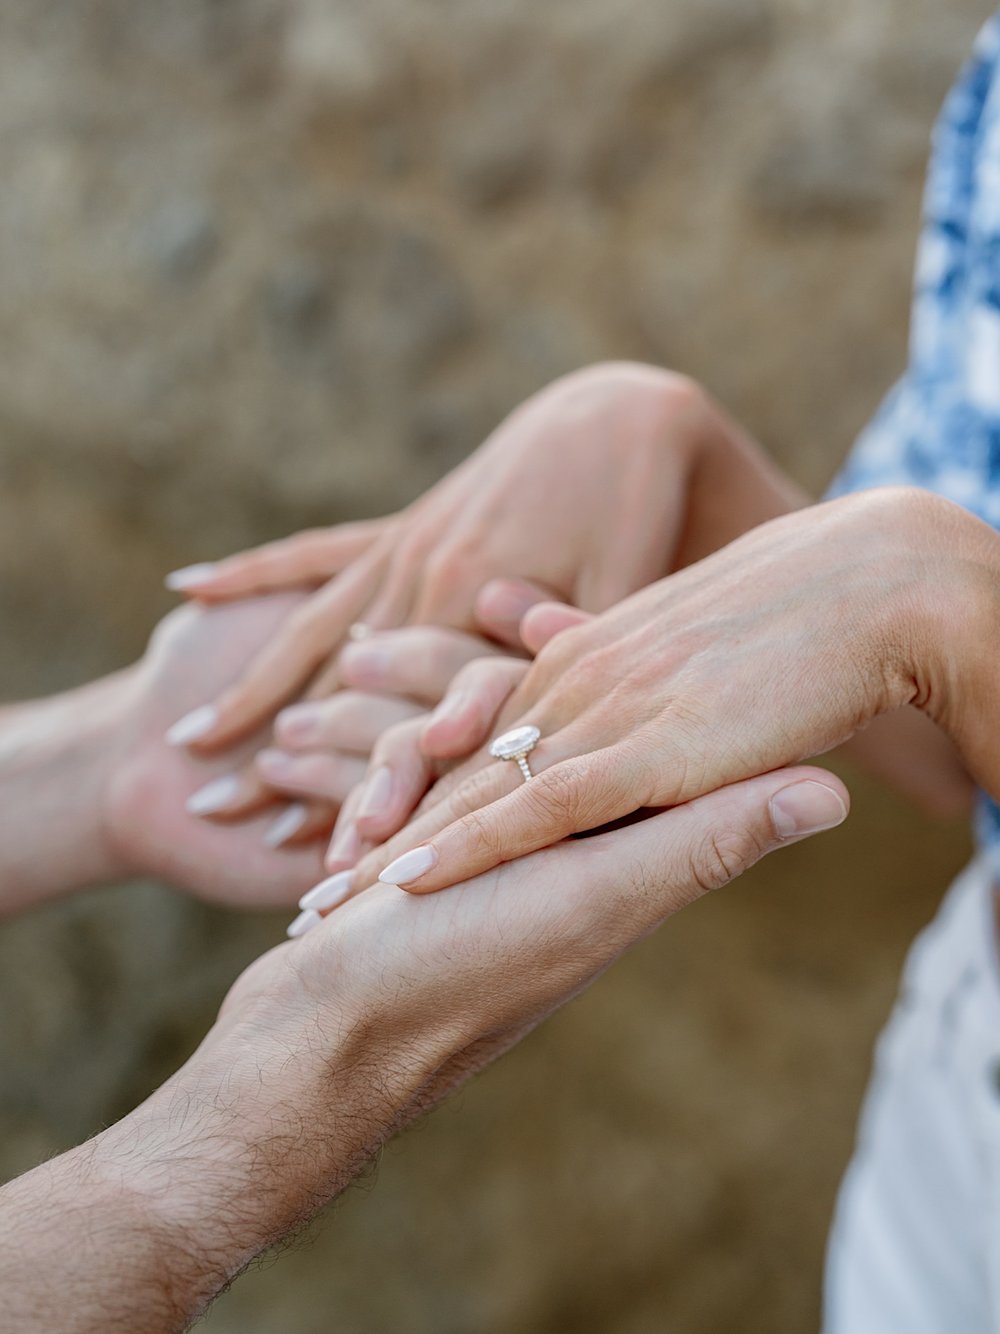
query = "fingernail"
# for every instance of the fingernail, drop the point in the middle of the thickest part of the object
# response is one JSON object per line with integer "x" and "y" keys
{"x": 359, "y": 631}
{"x": 806, "y": 808}
{"x": 299, "y": 722}
{"x": 409, "y": 867}
{"x": 190, "y": 574}
{"x": 375, "y": 797}
{"x": 274, "y": 763}
{"x": 303, "y": 923}
{"x": 345, "y": 848}
{"x": 450, "y": 708}
{"x": 329, "y": 893}
{"x": 286, "y": 826}
{"x": 193, "y": 725}
{"x": 214, "y": 796}
{"x": 367, "y": 663}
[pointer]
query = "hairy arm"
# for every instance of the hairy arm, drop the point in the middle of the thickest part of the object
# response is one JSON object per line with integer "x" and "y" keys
{"x": 142, "y": 1226}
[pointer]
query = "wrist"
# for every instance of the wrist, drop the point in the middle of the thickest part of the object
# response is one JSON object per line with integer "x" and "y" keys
{"x": 952, "y": 599}
{"x": 56, "y": 759}
{"x": 733, "y": 484}
{"x": 289, "y": 1096}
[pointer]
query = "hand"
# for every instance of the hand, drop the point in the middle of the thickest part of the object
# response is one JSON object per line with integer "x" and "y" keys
{"x": 320, "y": 748}
{"x": 148, "y": 783}
{"x": 592, "y": 489}
{"x": 348, "y": 743}
{"x": 777, "y": 648}
{"x": 410, "y": 757}
{"x": 315, "y": 1060}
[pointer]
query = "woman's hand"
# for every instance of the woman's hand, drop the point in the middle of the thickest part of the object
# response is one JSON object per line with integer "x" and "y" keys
{"x": 593, "y": 488}
{"x": 319, "y": 750}
{"x": 775, "y": 649}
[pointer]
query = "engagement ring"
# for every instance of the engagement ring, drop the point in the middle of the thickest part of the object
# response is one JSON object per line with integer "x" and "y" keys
{"x": 517, "y": 745}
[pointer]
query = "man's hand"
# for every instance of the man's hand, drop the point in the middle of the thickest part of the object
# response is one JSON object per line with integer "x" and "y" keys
{"x": 326, "y": 1047}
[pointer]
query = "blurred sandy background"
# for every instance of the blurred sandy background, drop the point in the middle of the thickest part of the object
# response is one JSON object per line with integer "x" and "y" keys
{"x": 265, "y": 263}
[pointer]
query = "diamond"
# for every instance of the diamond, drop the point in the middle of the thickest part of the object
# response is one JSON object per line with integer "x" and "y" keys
{"x": 512, "y": 744}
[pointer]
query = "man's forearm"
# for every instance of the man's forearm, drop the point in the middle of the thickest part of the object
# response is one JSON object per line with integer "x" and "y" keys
{"x": 141, "y": 1227}
{"x": 55, "y": 755}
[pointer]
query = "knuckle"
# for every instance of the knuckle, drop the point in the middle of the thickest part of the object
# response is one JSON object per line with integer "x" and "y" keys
{"x": 484, "y": 835}
{"x": 556, "y": 796}
{"x": 722, "y": 855}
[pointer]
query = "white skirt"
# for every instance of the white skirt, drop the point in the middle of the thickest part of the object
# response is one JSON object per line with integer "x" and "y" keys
{"x": 915, "y": 1247}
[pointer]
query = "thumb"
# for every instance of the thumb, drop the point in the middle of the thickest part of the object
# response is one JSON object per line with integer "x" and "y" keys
{"x": 545, "y": 620}
{"x": 502, "y": 604}
{"x": 654, "y": 868}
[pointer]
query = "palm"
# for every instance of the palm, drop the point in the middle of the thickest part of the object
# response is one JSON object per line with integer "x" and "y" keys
{"x": 191, "y": 656}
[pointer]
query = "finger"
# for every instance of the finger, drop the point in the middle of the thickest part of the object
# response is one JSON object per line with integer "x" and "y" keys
{"x": 605, "y": 894}
{"x": 546, "y": 620}
{"x": 346, "y": 845}
{"x": 630, "y": 879}
{"x": 231, "y": 796}
{"x": 294, "y": 653}
{"x": 482, "y": 781}
{"x": 300, "y": 822}
{"x": 310, "y": 773}
{"x": 398, "y": 776}
{"x": 502, "y": 604}
{"x": 306, "y": 558}
{"x": 569, "y": 798}
{"x": 466, "y": 717}
{"x": 419, "y": 661}
{"x": 350, "y": 721}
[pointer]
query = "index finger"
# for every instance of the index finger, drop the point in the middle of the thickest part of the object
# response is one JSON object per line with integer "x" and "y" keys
{"x": 478, "y": 827}
{"x": 309, "y": 557}
{"x": 298, "y": 647}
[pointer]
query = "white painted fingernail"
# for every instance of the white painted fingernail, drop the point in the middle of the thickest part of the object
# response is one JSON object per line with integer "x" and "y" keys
{"x": 286, "y": 826}
{"x": 328, "y": 893}
{"x": 274, "y": 764}
{"x": 193, "y": 725}
{"x": 177, "y": 580}
{"x": 376, "y": 795}
{"x": 346, "y": 847}
{"x": 303, "y": 923}
{"x": 367, "y": 664}
{"x": 299, "y": 722}
{"x": 214, "y": 796}
{"x": 409, "y": 867}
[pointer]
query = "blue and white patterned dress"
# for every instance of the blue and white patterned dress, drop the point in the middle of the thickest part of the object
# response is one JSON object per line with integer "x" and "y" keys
{"x": 939, "y": 428}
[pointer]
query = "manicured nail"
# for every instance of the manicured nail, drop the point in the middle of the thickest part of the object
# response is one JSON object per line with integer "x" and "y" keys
{"x": 375, "y": 797}
{"x": 193, "y": 725}
{"x": 345, "y": 848}
{"x": 300, "y": 722}
{"x": 450, "y": 708}
{"x": 286, "y": 826}
{"x": 806, "y": 808}
{"x": 367, "y": 663}
{"x": 214, "y": 796}
{"x": 409, "y": 867}
{"x": 329, "y": 893}
{"x": 303, "y": 923}
{"x": 274, "y": 764}
{"x": 177, "y": 580}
